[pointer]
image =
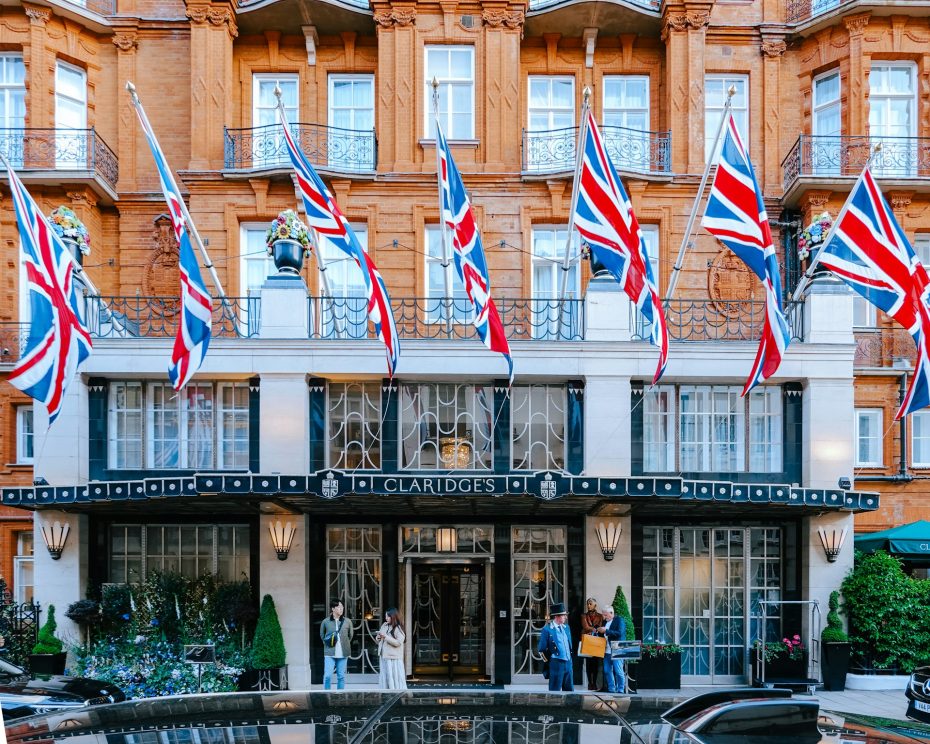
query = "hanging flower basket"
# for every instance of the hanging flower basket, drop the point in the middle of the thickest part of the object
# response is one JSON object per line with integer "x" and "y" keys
{"x": 72, "y": 232}
{"x": 288, "y": 242}
{"x": 813, "y": 235}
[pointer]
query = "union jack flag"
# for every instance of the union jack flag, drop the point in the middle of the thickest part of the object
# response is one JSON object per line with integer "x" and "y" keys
{"x": 470, "y": 262}
{"x": 604, "y": 217}
{"x": 194, "y": 328}
{"x": 324, "y": 216}
{"x": 869, "y": 251}
{"x": 59, "y": 340}
{"x": 735, "y": 215}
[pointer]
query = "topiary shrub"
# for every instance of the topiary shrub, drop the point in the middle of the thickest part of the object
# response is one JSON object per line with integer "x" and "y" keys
{"x": 622, "y": 609}
{"x": 268, "y": 643}
{"x": 834, "y": 632}
{"x": 48, "y": 642}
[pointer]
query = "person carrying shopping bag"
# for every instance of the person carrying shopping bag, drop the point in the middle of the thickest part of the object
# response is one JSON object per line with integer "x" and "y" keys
{"x": 591, "y": 620}
{"x": 614, "y": 630}
{"x": 391, "y": 639}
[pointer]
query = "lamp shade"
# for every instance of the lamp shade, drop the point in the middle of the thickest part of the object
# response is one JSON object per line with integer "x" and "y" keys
{"x": 832, "y": 542}
{"x": 282, "y": 535}
{"x": 608, "y": 538}
{"x": 447, "y": 540}
{"x": 55, "y": 536}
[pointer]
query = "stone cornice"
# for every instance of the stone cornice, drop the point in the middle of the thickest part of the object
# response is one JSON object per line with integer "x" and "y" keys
{"x": 396, "y": 16}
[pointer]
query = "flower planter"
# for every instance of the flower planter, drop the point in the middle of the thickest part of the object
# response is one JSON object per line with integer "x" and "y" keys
{"x": 74, "y": 249}
{"x": 288, "y": 256}
{"x": 47, "y": 664}
{"x": 781, "y": 668}
{"x": 835, "y": 665}
{"x": 263, "y": 680}
{"x": 659, "y": 672}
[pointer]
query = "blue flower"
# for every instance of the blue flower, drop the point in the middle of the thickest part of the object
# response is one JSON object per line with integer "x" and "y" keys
{"x": 154, "y": 621}
{"x": 125, "y": 616}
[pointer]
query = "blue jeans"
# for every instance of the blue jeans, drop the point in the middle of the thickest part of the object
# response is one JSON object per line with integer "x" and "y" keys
{"x": 613, "y": 674}
{"x": 560, "y": 676}
{"x": 332, "y": 664}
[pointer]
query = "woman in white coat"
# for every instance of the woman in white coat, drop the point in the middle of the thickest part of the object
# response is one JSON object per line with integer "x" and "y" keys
{"x": 391, "y": 640}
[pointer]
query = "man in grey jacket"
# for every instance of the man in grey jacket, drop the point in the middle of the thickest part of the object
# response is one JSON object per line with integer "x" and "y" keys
{"x": 336, "y": 633}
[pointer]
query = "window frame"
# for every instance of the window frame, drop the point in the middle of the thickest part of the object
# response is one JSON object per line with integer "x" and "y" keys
{"x": 554, "y": 263}
{"x": 549, "y": 109}
{"x": 60, "y": 95}
{"x": 606, "y": 110}
{"x": 878, "y": 415}
{"x": 428, "y": 92}
{"x": 817, "y": 106}
{"x": 912, "y": 95}
{"x": 914, "y": 461}
{"x": 23, "y": 437}
{"x": 353, "y": 77}
{"x": 741, "y": 114}
{"x": 277, "y": 78}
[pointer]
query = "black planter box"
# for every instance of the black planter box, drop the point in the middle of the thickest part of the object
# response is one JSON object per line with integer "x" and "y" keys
{"x": 263, "y": 680}
{"x": 835, "y": 665}
{"x": 47, "y": 664}
{"x": 659, "y": 672}
{"x": 781, "y": 668}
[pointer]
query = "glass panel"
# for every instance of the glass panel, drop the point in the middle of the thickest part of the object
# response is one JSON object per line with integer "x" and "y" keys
{"x": 538, "y": 427}
{"x": 354, "y": 426}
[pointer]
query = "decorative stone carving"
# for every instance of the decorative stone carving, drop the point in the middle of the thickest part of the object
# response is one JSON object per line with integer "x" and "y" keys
{"x": 730, "y": 283}
{"x": 396, "y": 17}
{"x": 82, "y": 198}
{"x": 36, "y": 15}
{"x": 773, "y": 48}
{"x": 498, "y": 17}
{"x": 197, "y": 14}
{"x": 674, "y": 22}
{"x": 856, "y": 24}
{"x": 125, "y": 42}
{"x": 697, "y": 18}
{"x": 815, "y": 201}
{"x": 214, "y": 16}
{"x": 160, "y": 276}
{"x": 900, "y": 199}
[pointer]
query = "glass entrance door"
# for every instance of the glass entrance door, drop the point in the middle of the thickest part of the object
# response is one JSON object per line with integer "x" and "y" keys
{"x": 448, "y": 632}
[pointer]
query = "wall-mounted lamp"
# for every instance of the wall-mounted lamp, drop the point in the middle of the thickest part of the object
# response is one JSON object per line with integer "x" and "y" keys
{"x": 832, "y": 542}
{"x": 282, "y": 535}
{"x": 447, "y": 540}
{"x": 55, "y": 536}
{"x": 608, "y": 537}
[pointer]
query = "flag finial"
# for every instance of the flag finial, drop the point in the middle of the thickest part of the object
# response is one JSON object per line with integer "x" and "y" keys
{"x": 877, "y": 148}
{"x": 435, "y": 83}
{"x": 586, "y": 93}
{"x": 132, "y": 91}
{"x": 731, "y": 91}
{"x": 277, "y": 92}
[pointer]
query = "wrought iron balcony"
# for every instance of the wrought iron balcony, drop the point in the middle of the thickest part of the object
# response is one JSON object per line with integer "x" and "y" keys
{"x": 330, "y": 148}
{"x": 542, "y": 4}
{"x": 838, "y": 157}
{"x": 711, "y": 320}
{"x": 553, "y": 151}
{"x": 158, "y": 317}
{"x": 426, "y": 317}
{"x": 13, "y": 338}
{"x": 63, "y": 150}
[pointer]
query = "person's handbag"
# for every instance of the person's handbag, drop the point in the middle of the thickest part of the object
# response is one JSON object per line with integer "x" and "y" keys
{"x": 592, "y": 645}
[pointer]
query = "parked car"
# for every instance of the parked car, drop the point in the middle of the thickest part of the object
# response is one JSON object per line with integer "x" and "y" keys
{"x": 918, "y": 695}
{"x": 21, "y": 696}
{"x": 454, "y": 715}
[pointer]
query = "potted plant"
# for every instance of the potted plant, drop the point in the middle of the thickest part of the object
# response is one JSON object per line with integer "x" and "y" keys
{"x": 85, "y": 613}
{"x": 834, "y": 648}
{"x": 72, "y": 232}
{"x": 812, "y": 236}
{"x": 267, "y": 659}
{"x": 48, "y": 655}
{"x": 660, "y": 667}
{"x": 784, "y": 660}
{"x": 288, "y": 242}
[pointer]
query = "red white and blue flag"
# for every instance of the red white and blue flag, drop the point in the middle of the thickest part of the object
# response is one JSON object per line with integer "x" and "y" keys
{"x": 736, "y": 216}
{"x": 194, "y": 328}
{"x": 604, "y": 217}
{"x": 869, "y": 251}
{"x": 324, "y": 216}
{"x": 468, "y": 253}
{"x": 59, "y": 340}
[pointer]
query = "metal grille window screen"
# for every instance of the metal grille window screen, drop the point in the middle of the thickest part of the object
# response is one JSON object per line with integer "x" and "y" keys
{"x": 354, "y": 425}
{"x": 538, "y": 427}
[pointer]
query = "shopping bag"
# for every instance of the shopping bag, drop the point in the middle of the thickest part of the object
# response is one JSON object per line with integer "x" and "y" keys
{"x": 592, "y": 645}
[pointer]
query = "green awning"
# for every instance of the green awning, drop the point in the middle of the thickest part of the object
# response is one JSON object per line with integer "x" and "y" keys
{"x": 909, "y": 541}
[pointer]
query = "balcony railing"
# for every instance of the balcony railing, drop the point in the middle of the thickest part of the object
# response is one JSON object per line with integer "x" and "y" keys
{"x": 158, "y": 317}
{"x": 553, "y": 151}
{"x": 798, "y": 11}
{"x": 426, "y": 317}
{"x": 834, "y": 157}
{"x": 710, "y": 320}
{"x": 343, "y": 150}
{"x": 542, "y": 4}
{"x": 13, "y": 338}
{"x": 60, "y": 150}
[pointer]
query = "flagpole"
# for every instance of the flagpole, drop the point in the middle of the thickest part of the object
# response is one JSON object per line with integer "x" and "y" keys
{"x": 446, "y": 258}
{"x": 805, "y": 280}
{"x": 579, "y": 159}
{"x": 679, "y": 261}
{"x": 192, "y": 228}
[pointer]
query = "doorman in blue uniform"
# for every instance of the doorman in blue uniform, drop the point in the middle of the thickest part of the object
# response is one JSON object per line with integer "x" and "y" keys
{"x": 555, "y": 644}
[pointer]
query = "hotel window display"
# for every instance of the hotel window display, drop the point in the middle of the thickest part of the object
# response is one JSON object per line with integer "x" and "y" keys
{"x": 539, "y": 558}
{"x": 354, "y": 426}
{"x": 152, "y": 426}
{"x": 189, "y": 549}
{"x": 354, "y": 576}
{"x": 446, "y": 426}
{"x": 538, "y": 427}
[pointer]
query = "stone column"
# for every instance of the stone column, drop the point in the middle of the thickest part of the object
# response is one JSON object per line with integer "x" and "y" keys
{"x": 859, "y": 64}
{"x": 288, "y": 583}
{"x": 502, "y": 34}
{"x": 62, "y": 450}
{"x": 39, "y": 89}
{"x": 63, "y": 581}
{"x": 126, "y": 42}
{"x": 213, "y": 28}
{"x": 399, "y": 88}
{"x": 773, "y": 49}
{"x": 607, "y": 430}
